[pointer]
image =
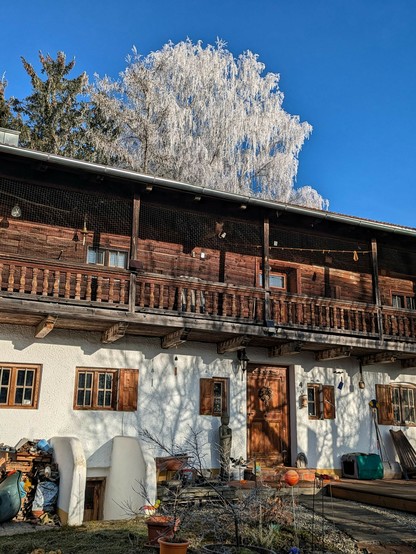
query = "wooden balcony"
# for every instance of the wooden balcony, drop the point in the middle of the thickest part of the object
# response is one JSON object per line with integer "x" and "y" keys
{"x": 190, "y": 298}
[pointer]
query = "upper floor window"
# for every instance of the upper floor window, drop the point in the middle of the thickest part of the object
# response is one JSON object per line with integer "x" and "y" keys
{"x": 110, "y": 258}
{"x": 19, "y": 385}
{"x": 106, "y": 389}
{"x": 276, "y": 280}
{"x": 213, "y": 396}
{"x": 403, "y": 301}
{"x": 396, "y": 404}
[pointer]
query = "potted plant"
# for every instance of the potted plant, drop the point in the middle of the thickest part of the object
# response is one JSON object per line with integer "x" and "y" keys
{"x": 178, "y": 509}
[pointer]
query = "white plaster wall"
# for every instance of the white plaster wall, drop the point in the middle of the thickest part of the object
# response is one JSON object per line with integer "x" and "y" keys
{"x": 168, "y": 403}
{"x": 353, "y": 430}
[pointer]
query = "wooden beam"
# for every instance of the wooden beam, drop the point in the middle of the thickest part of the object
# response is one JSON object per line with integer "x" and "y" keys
{"x": 379, "y": 358}
{"x": 175, "y": 338}
{"x": 333, "y": 353}
{"x": 286, "y": 349}
{"x": 376, "y": 288}
{"x": 45, "y": 327}
{"x": 410, "y": 363}
{"x": 113, "y": 333}
{"x": 231, "y": 345}
{"x": 266, "y": 267}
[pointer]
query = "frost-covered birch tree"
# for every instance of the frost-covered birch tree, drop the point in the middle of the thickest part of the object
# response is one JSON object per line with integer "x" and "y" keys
{"x": 197, "y": 114}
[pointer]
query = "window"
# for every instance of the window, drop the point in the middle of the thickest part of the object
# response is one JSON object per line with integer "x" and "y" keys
{"x": 213, "y": 398}
{"x": 396, "y": 404}
{"x": 110, "y": 258}
{"x": 321, "y": 401}
{"x": 106, "y": 389}
{"x": 19, "y": 385}
{"x": 276, "y": 280}
{"x": 403, "y": 301}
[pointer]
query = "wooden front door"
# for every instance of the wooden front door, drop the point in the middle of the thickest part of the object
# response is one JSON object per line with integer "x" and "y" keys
{"x": 268, "y": 415}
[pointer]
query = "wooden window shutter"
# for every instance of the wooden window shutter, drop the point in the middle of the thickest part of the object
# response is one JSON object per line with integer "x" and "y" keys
{"x": 385, "y": 407}
{"x": 328, "y": 396}
{"x": 205, "y": 396}
{"x": 128, "y": 385}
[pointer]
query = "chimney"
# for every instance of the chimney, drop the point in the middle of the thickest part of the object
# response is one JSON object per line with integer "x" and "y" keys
{"x": 9, "y": 137}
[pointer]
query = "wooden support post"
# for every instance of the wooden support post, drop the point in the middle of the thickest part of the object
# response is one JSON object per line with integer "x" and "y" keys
{"x": 376, "y": 288}
{"x": 266, "y": 268}
{"x": 135, "y": 228}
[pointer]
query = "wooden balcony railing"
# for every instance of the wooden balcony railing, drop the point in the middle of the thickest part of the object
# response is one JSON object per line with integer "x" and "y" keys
{"x": 61, "y": 281}
{"x": 113, "y": 288}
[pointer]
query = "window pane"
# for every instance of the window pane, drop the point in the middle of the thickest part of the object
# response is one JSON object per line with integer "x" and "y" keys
{"x": 217, "y": 398}
{"x": 117, "y": 259}
{"x": 101, "y": 380}
{"x": 29, "y": 377}
{"x": 20, "y": 381}
{"x": 81, "y": 380}
{"x": 3, "y": 395}
{"x": 100, "y": 398}
{"x": 108, "y": 398}
{"x": 95, "y": 256}
{"x": 312, "y": 400}
{"x": 396, "y": 404}
{"x": 397, "y": 301}
{"x": 5, "y": 376}
{"x": 277, "y": 281}
{"x": 80, "y": 398}
{"x": 411, "y": 304}
{"x": 18, "y": 397}
{"x": 87, "y": 398}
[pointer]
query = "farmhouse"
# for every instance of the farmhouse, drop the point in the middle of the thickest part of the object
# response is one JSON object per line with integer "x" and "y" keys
{"x": 132, "y": 302}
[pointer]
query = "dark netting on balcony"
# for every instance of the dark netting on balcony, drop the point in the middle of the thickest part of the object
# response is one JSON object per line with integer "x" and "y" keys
{"x": 193, "y": 228}
{"x": 64, "y": 208}
{"x": 296, "y": 246}
{"x": 397, "y": 260}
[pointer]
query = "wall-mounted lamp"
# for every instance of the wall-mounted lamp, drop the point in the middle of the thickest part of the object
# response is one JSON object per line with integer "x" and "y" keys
{"x": 202, "y": 255}
{"x": 222, "y": 235}
{"x": 16, "y": 211}
{"x": 243, "y": 359}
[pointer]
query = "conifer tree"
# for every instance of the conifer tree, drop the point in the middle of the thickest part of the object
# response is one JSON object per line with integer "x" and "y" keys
{"x": 55, "y": 112}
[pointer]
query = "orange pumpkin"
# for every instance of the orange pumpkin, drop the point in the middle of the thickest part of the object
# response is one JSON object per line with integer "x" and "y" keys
{"x": 291, "y": 477}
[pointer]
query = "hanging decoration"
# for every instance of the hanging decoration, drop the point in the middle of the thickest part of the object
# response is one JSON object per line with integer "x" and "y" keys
{"x": 265, "y": 394}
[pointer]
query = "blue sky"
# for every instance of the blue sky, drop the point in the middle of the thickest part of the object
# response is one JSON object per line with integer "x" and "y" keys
{"x": 348, "y": 67}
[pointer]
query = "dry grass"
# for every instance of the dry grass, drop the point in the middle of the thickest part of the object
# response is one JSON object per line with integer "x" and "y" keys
{"x": 97, "y": 537}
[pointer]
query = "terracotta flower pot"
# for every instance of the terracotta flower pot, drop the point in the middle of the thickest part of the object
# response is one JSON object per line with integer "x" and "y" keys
{"x": 159, "y": 526}
{"x": 168, "y": 547}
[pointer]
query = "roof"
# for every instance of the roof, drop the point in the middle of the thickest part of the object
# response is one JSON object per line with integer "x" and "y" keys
{"x": 132, "y": 176}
